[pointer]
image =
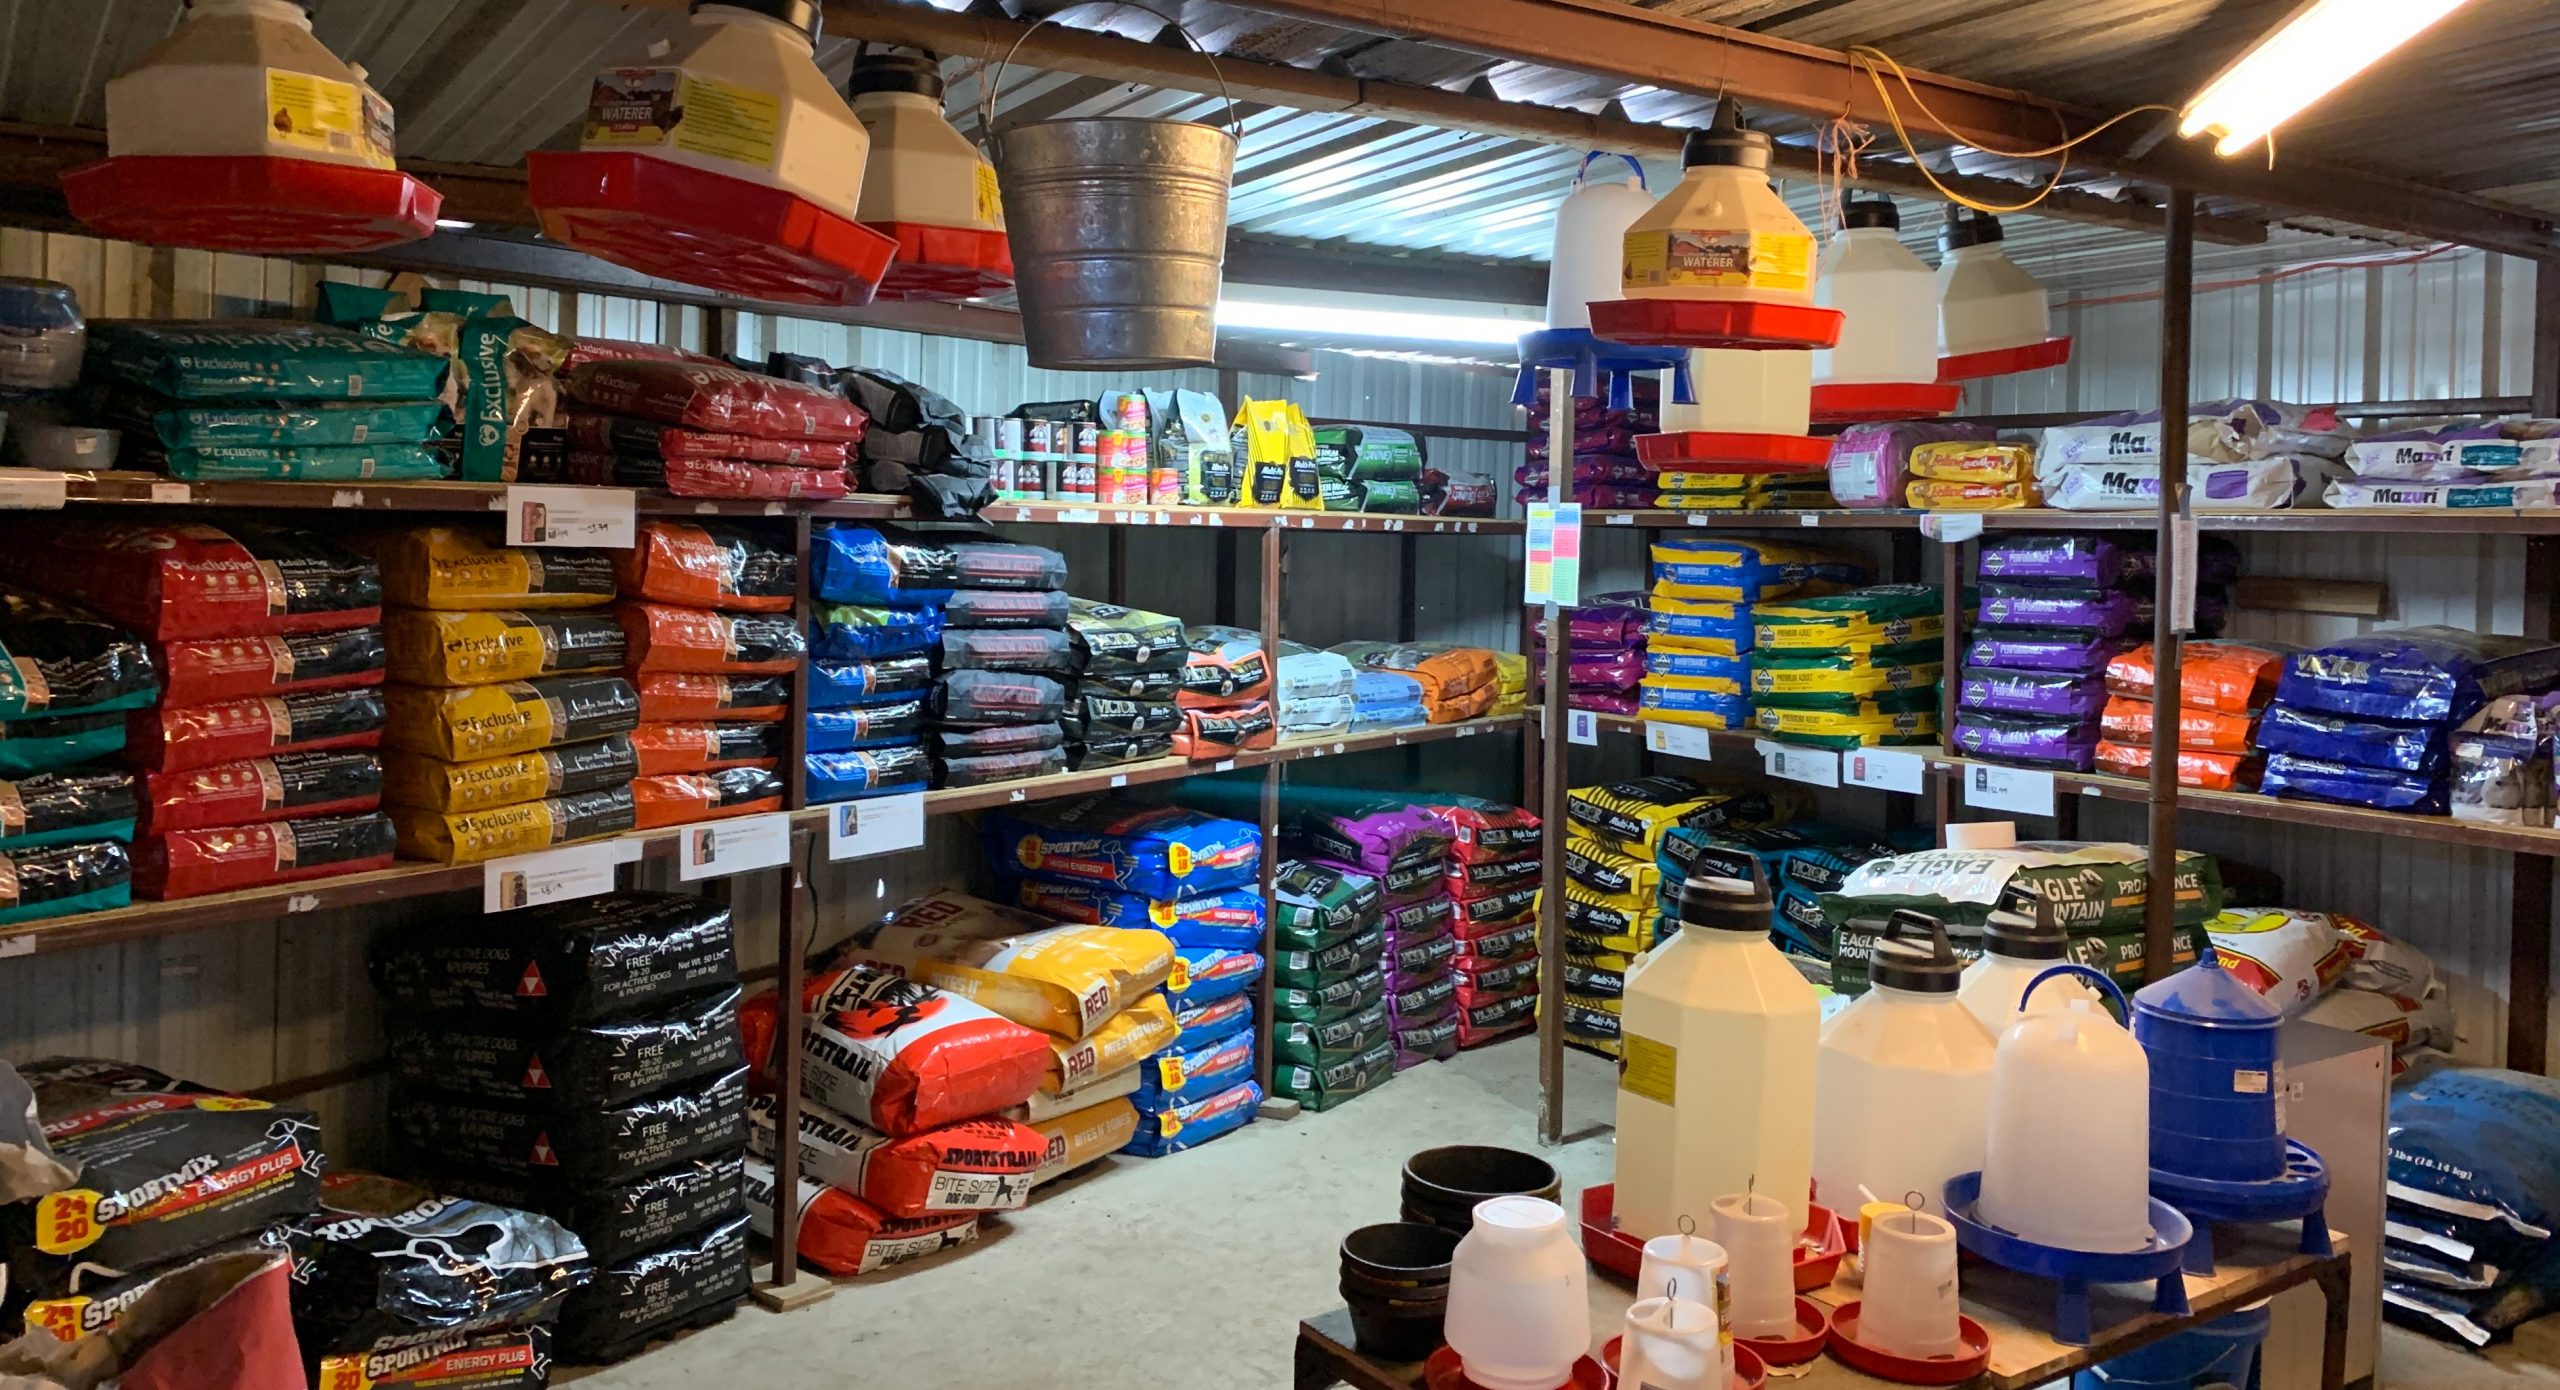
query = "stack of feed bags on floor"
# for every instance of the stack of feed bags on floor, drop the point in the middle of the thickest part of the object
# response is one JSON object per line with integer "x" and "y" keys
{"x": 1225, "y": 697}
{"x": 2472, "y": 1202}
{"x": 1799, "y": 860}
{"x": 1445, "y": 682}
{"x": 878, "y": 616}
{"x": 999, "y": 717}
{"x": 1317, "y": 693}
{"x": 2342, "y": 972}
{"x": 2223, "y": 687}
{"x": 1333, "y": 1037}
{"x": 1849, "y": 670}
{"x": 706, "y": 616}
{"x": 585, "y": 1061}
{"x": 268, "y": 401}
{"x": 1698, "y": 651}
{"x": 1606, "y": 472}
{"x": 2497, "y": 463}
{"x": 706, "y": 430}
{"x": 2055, "y": 610}
{"x": 2366, "y": 721}
{"x": 252, "y": 769}
{"x": 1495, "y": 881}
{"x": 1605, "y": 660}
{"x": 2240, "y": 455}
{"x": 1187, "y": 887}
{"x": 1406, "y": 854}
{"x": 512, "y": 725}
{"x": 73, "y": 680}
{"x": 1127, "y": 665}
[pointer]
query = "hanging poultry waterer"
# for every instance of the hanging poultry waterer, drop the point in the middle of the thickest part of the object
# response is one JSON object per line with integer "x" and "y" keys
{"x": 926, "y": 186}
{"x": 242, "y": 132}
{"x": 723, "y": 160}
{"x": 1885, "y": 366}
{"x": 1582, "y": 266}
{"x": 2216, "y": 1081}
{"x": 1992, "y": 316}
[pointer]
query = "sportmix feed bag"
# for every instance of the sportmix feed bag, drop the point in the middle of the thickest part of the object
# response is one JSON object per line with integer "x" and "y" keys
{"x": 1159, "y": 851}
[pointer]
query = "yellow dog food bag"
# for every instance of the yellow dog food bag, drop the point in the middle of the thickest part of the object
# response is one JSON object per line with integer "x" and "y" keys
{"x": 487, "y": 721}
{"x": 467, "y": 837}
{"x": 492, "y": 645}
{"x": 445, "y": 567}
{"x": 1064, "y": 980}
{"x": 1131, "y": 1036}
{"x": 1081, "y": 1136}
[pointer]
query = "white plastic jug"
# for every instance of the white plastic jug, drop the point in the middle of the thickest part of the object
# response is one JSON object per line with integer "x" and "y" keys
{"x": 1519, "y": 1297}
{"x": 1905, "y": 1076}
{"x": 246, "y": 77}
{"x": 1723, "y": 233}
{"x": 1715, "y": 1093}
{"x": 1908, "y": 1304}
{"x": 1985, "y": 302}
{"x": 2068, "y": 1160}
{"x": 1889, "y": 298}
{"x": 1673, "y": 1344}
{"x": 2019, "y": 942}
{"x": 1691, "y": 1268}
{"x": 1591, "y": 236}
{"x": 1745, "y": 393}
{"x": 1760, "y": 1240}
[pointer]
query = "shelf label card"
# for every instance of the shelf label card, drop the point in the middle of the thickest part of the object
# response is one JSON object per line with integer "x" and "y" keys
{"x": 879, "y": 825}
{"x": 1583, "y": 727}
{"x": 716, "y": 849}
{"x": 2182, "y": 570}
{"x": 2018, "y": 790}
{"x": 34, "y": 490}
{"x": 582, "y": 518}
{"x": 553, "y": 875}
{"x": 1555, "y": 555}
{"x": 1815, "y": 767}
{"x": 1951, "y": 528}
{"x": 1884, "y": 769}
{"x": 1678, "y": 740}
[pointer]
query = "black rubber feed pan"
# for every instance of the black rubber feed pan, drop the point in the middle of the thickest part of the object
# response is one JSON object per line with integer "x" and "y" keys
{"x": 1398, "y": 1255}
{"x": 1442, "y": 1186}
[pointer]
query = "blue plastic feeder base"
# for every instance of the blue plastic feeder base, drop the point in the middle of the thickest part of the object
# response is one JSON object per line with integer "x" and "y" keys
{"x": 1601, "y": 369}
{"x": 2301, "y": 1192}
{"x": 2075, "y": 1270}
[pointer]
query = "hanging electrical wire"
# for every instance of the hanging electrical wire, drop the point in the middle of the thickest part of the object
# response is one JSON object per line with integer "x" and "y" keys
{"x": 1875, "y": 63}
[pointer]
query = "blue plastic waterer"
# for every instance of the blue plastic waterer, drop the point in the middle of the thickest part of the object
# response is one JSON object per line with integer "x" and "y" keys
{"x": 2213, "y": 1045}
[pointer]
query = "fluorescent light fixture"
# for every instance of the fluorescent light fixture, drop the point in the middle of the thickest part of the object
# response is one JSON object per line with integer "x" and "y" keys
{"x": 455, "y": 224}
{"x": 2325, "y": 43}
{"x": 1341, "y": 321}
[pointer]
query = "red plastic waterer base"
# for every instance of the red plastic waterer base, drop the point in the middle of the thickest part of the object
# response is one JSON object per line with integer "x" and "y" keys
{"x": 1954, "y": 1368}
{"x": 1447, "y": 1371}
{"x": 1718, "y": 452}
{"x": 945, "y": 263}
{"x": 261, "y": 204}
{"x": 1842, "y": 403}
{"x": 1715, "y": 323}
{"x": 689, "y": 225}
{"x": 1749, "y": 1372}
{"x": 2034, "y": 357}
{"x": 1818, "y": 1250}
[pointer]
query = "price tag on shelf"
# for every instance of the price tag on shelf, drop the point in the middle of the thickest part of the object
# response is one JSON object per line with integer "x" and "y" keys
{"x": 1678, "y": 740}
{"x": 2017, "y": 790}
{"x": 1950, "y": 528}
{"x": 881, "y": 825}
{"x": 172, "y": 494}
{"x": 716, "y": 849}
{"x": 582, "y": 518}
{"x": 1884, "y": 769}
{"x": 30, "y": 489}
{"x": 1583, "y": 727}
{"x": 1815, "y": 767}
{"x": 553, "y": 876}
{"x": 2182, "y": 568}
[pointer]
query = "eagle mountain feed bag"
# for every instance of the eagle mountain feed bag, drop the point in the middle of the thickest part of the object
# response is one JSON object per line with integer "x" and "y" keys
{"x": 568, "y": 962}
{"x": 974, "y": 1165}
{"x": 449, "y": 568}
{"x": 705, "y": 565}
{"x": 1158, "y": 851}
{"x": 2092, "y": 888}
{"x": 896, "y": 1054}
{"x": 193, "y": 580}
{"x": 1065, "y": 980}
{"x": 487, "y": 646}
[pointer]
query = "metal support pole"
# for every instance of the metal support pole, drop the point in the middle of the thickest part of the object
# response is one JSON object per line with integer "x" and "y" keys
{"x": 1272, "y": 543}
{"x": 2177, "y": 321}
{"x": 795, "y": 773}
{"x": 1223, "y": 606}
{"x": 1553, "y": 784}
{"x": 2529, "y": 885}
{"x": 1951, "y": 570}
{"x": 1118, "y": 584}
{"x": 785, "y": 1287}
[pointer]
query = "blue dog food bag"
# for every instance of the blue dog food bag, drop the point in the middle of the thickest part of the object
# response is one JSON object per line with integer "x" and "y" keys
{"x": 1189, "y": 1126}
{"x": 1154, "y": 851}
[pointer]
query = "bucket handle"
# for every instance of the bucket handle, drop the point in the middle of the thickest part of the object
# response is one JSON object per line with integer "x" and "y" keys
{"x": 2124, "y": 1011}
{"x": 1583, "y": 174}
{"x": 1235, "y": 118}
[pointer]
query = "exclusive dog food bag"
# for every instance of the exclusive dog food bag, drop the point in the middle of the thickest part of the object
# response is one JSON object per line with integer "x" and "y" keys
{"x": 487, "y": 646}
{"x": 196, "y": 580}
{"x": 1064, "y": 980}
{"x": 445, "y": 567}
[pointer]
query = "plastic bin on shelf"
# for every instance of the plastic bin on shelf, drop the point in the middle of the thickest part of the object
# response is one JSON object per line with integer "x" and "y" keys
{"x": 1732, "y": 453}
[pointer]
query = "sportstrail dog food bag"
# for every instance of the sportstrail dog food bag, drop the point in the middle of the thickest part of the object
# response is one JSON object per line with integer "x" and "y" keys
{"x": 841, "y": 1234}
{"x": 604, "y": 1063}
{"x": 595, "y": 958}
{"x": 1065, "y": 980}
{"x": 973, "y": 1166}
{"x": 897, "y": 1054}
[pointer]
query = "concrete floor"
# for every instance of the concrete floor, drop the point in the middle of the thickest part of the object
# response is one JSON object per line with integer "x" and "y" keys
{"x": 1194, "y": 1270}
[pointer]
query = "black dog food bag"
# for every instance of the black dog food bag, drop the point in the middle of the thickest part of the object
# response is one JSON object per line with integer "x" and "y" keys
{"x": 572, "y": 962}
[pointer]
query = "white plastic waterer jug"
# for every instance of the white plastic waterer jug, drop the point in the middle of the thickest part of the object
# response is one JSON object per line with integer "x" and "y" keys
{"x": 2067, "y": 1161}
{"x": 1985, "y": 302}
{"x": 1745, "y": 393}
{"x": 1519, "y": 1296}
{"x": 1591, "y": 236}
{"x": 2019, "y": 942}
{"x": 246, "y": 77}
{"x": 1903, "y": 1084}
{"x": 1889, "y": 298}
{"x": 1722, "y": 233}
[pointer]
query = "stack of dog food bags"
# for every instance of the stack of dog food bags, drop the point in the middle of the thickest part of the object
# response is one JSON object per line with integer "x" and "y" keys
{"x": 1128, "y": 663}
{"x": 1457, "y": 683}
{"x": 2223, "y": 688}
{"x": 879, "y": 621}
{"x": 2365, "y": 721}
{"x": 711, "y": 642}
{"x": 511, "y": 723}
{"x": 1369, "y": 468}
{"x": 1406, "y": 853}
{"x": 1606, "y": 472}
{"x": 584, "y": 1060}
{"x": 1002, "y": 725}
{"x": 1699, "y": 645}
{"x": 268, "y": 401}
{"x": 1972, "y": 476}
{"x": 704, "y": 430}
{"x": 1225, "y": 697}
{"x": 259, "y": 764}
{"x": 1493, "y": 885}
{"x": 1605, "y": 661}
{"x": 1799, "y": 861}
{"x": 73, "y": 682}
{"x": 1184, "y": 887}
{"x": 1318, "y": 693}
{"x": 1707, "y": 488}
{"x": 1849, "y": 670}
{"x": 1340, "y": 1030}
{"x": 2055, "y": 610}
{"x": 1510, "y": 683}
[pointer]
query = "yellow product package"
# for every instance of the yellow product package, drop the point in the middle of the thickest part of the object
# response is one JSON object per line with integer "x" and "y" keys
{"x": 1792, "y": 499}
{"x": 1904, "y": 666}
{"x": 1864, "y": 727}
{"x": 486, "y": 721}
{"x": 1744, "y": 571}
{"x": 1081, "y": 1136}
{"x": 491, "y": 645}
{"x": 1695, "y": 701}
{"x": 1879, "y": 616}
{"x": 1065, "y": 980}
{"x": 1631, "y": 816}
{"x": 446, "y": 567}
{"x": 1691, "y": 480}
{"x": 1511, "y": 683}
{"x": 1131, "y": 1036}
{"x": 1962, "y": 461}
{"x": 1613, "y": 877}
{"x": 432, "y": 784}
{"x": 1279, "y": 449}
{"x": 467, "y": 837}
{"x": 1938, "y": 494}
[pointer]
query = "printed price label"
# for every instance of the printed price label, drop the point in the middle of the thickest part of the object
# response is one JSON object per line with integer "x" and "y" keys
{"x": 28, "y": 489}
{"x": 1678, "y": 740}
{"x": 553, "y": 876}
{"x": 1815, "y": 767}
{"x": 881, "y": 825}
{"x": 1884, "y": 769}
{"x": 715, "y": 849}
{"x": 2013, "y": 789}
{"x": 2182, "y": 570}
{"x": 581, "y": 518}
{"x": 1951, "y": 528}
{"x": 1582, "y": 726}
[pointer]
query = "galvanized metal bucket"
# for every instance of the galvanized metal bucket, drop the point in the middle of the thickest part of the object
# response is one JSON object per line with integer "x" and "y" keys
{"x": 1119, "y": 230}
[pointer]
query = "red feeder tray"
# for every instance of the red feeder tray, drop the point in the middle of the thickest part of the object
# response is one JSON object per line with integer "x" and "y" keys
{"x": 721, "y": 233}
{"x": 1732, "y": 453}
{"x": 1844, "y": 404}
{"x": 1715, "y": 323}
{"x": 1812, "y": 1332}
{"x": 1954, "y": 1368}
{"x": 949, "y": 263}
{"x": 1818, "y": 1251}
{"x": 2052, "y": 352}
{"x": 262, "y": 204}
{"x": 1749, "y": 1373}
{"x": 1447, "y": 1371}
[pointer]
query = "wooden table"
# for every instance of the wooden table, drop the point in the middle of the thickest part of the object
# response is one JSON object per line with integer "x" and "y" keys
{"x": 2253, "y": 1263}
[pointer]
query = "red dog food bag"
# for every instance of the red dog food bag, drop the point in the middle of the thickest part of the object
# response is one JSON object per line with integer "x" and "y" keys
{"x": 702, "y": 565}
{"x": 592, "y": 433}
{"x": 664, "y": 637}
{"x": 899, "y": 1055}
{"x": 975, "y": 1165}
{"x": 192, "y": 863}
{"x": 288, "y": 786}
{"x": 680, "y": 798}
{"x": 842, "y": 1234}
{"x": 721, "y": 399}
{"x": 1224, "y": 732}
{"x": 200, "y": 670}
{"x": 179, "y": 738}
{"x": 194, "y": 580}
{"x": 764, "y": 482}
{"x": 690, "y": 697}
{"x": 666, "y": 748}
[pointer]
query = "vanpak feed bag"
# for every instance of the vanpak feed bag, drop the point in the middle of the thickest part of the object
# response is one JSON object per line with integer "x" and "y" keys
{"x": 972, "y": 1166}
{"x": 595, "y": 958}
{"x": 842, "y": 1235}
{"x": 899, "y": 1055}
{"x": 1063, "y": 979}
{"x": 1160, "y": 851}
